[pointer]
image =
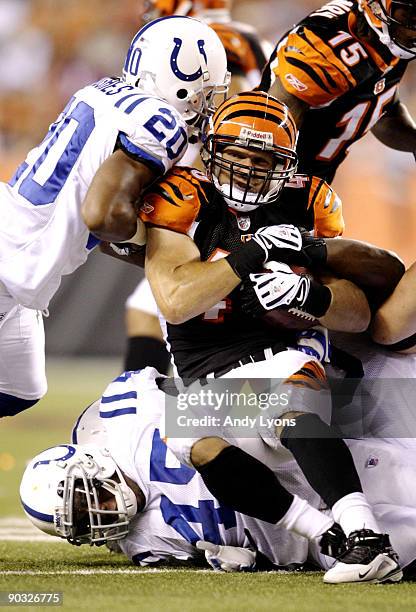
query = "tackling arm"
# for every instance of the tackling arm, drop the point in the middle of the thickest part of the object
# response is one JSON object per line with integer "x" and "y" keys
{"x": 109, "y": 206}
{"x": 375, "y": 270}
{"x": 395, "y": 320}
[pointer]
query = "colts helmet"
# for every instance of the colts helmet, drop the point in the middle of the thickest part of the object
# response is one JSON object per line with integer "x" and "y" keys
{"x": 182, "y": 61}
{"x": 60, "y": 493}
{"x": 394, "y": 22}
{"x": 252, "y": 121}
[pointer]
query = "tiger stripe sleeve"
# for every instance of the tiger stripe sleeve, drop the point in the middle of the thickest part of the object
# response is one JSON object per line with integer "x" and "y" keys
{"x": 173, "y": 202}
{"x": 327, "y": 209}
{"x": 308, "y": 69}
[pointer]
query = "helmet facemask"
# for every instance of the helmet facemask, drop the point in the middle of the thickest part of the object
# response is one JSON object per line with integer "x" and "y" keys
{"x": 84, "y": 521}
{"x": 245, "y": 187}
{"x": 394, "y": 22}
{"x": 250, "y": 150}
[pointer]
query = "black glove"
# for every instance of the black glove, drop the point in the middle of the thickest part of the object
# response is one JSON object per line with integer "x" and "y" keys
{"x": 314, "y": 249}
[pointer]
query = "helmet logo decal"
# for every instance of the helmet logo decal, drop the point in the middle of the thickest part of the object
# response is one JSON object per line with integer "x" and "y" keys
{"x": 249, "y": 134}
{"x": 174, "y": 61}
{"x": 69, "y": 454}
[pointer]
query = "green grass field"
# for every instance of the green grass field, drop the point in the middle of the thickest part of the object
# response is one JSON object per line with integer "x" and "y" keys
{"x": 93, "y": 579}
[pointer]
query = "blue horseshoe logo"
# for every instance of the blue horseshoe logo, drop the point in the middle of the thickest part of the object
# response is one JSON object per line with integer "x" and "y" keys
{"x": 68, "y": 455}
{"x": 174, "y": 61}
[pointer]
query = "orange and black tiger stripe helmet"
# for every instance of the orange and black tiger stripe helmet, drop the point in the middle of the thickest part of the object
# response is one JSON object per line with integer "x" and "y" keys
{"x": 252, "y": 121}
{"x": 162, "y": 8}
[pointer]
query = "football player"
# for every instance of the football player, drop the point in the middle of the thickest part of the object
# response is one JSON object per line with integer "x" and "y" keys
{"x": 209, "y": 234}
{"x": 175, "y": 513}
{"x": 339, "y": 71}
{"x": 246, "y": 57}
{"x": 80, "y": 185}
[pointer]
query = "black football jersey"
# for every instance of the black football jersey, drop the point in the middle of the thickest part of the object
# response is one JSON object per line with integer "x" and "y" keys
{"x": 184, "y": 200}
{"x": 347, "y": 83}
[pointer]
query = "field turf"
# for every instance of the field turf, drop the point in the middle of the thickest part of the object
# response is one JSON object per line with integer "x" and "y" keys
{"x": 93, "y": 579}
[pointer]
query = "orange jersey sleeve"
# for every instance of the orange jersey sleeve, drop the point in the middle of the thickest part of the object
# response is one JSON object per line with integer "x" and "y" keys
{"x": 327, "y": 209}
{"x": 174, "y": 201}
{"x": 309, "y": 69}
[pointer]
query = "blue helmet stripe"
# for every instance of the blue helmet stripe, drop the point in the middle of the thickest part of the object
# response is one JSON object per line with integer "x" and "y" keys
{"x": 152, "y": 23}
{"x": 48, "y": 518}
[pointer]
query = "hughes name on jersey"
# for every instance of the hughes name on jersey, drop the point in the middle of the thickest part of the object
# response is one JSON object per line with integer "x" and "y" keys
{"x": 42, "y": 235}
{"x": 325, "y": 62}
{"x": 186, "y": 201}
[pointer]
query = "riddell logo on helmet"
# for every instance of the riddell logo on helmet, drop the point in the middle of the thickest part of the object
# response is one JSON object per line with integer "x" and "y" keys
{"x": 294, "y": 81}
{"x": 248, "y": 134}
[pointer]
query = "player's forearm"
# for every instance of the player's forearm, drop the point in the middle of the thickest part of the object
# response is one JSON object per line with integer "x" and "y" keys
{"x": 189, "y": 290}
{"x": 373, "y": 269}
{"x": 395, "y": 320}
{"x": 109, "y": 214}
{"x": 397, "y": 129}
{"x": 349, "y": 310}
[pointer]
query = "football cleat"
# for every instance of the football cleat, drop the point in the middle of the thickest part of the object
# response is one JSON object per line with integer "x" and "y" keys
{"x": 368, "y": 557}
{"x": 333, "y": 542}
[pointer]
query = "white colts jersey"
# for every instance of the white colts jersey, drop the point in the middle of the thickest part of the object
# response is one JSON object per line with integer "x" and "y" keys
{"x": 179, "y": 509}
{"x": 42, "y": 234}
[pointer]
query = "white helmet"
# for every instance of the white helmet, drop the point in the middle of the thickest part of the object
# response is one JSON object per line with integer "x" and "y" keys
{"x": 394, "y": 22}
{"x": 180, "y": 60}
{"x": 60, "y": 492}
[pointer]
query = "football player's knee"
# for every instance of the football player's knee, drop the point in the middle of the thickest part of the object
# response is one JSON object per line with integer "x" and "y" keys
{"x": 11, "y": 405}
{"x": 205, "y": 450}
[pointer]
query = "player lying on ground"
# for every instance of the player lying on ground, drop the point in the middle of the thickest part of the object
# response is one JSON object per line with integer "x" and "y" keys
{"x": 82, "y": 183}
{"x": 175, "y": 511}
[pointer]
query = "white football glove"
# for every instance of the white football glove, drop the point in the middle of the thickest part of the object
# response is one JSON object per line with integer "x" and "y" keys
{"x": 315, "y": 341}
{"x": 228, "y": 558}
{"x": 274, "y": 238}
{"x": 281, "y": 287}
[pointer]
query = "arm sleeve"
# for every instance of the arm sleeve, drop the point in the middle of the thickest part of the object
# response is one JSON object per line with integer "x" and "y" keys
{"x": 327, "y": 209}
{"x": 309, "y": 69}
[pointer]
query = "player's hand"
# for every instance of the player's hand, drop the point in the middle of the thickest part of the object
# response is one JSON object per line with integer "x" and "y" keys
{"x": 228, "y": 558}
{"x": 281, "y": 243}
{"x": 266, "y": 291}
{"x": 315, "y": 342}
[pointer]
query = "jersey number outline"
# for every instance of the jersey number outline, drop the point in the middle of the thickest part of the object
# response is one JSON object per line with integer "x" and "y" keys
{"x": 45, "y": 192}
{"x": 167, "y": 121}
{"x": 352, "y": 121}
{"x": 179, "y": 516}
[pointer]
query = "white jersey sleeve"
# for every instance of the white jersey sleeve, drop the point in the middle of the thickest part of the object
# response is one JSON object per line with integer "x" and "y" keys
{"x": 42, "y": 234}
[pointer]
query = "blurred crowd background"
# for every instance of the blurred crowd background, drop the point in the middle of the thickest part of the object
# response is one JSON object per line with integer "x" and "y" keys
{"x": 50, "y": 48}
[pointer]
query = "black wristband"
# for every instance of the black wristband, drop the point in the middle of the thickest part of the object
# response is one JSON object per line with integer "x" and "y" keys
{"x": 318, "y": 300}
{"x": 247, "y": 258}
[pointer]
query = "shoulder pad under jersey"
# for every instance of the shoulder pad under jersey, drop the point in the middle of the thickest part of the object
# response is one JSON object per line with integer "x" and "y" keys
{"x": 175, "y": 200}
